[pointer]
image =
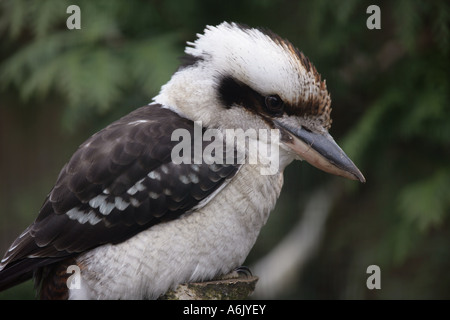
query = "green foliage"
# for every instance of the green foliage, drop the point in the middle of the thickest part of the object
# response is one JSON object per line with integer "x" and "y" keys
{"x": 403, "y": 138}
{"x": 427, "y": 201}
{"x": 92, "y": 67}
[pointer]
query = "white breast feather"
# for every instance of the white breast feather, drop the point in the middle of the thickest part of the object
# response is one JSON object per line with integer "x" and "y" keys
{"x": 201, "y": 245}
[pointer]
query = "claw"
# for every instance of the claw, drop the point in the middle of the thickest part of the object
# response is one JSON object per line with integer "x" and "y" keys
{"x": 244, "y": 271}
{"x": 239, "y": 272}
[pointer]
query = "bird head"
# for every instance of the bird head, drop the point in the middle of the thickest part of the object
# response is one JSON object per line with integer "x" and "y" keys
{"x": 234, "y": 76}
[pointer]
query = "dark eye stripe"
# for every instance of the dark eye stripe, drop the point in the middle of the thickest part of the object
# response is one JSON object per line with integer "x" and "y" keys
{"x": 232, "y": 92}
{"x": 235, "y": 93}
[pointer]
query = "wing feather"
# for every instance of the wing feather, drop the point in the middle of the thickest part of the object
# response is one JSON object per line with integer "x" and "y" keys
{"x": 119, "y": 182}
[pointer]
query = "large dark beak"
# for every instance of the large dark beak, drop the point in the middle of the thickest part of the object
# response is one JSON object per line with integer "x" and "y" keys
{"x": 320, "y": 150}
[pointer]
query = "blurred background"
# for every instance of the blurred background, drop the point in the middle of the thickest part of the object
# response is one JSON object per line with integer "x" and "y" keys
{"x": 390, "y": 92}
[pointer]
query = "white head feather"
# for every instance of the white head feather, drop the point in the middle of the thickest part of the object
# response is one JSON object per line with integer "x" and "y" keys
{"x": 260, "y": 59}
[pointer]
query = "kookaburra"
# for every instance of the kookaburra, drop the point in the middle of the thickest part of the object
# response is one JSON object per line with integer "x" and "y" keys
{"x": 137, "y": 223}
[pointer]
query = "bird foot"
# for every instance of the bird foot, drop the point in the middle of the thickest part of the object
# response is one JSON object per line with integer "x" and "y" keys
{"x": 239, "y": 272}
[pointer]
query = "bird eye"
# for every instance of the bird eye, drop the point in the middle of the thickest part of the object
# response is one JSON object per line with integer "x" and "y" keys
{"x": 274, "y": 104}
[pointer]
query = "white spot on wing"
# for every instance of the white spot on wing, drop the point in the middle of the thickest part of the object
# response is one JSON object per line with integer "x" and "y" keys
{"x": 134, "y": 202}
{"x": 184, "y": 179}
{"x": 154, "y": 175}
{"x": 164, "y": 169}
{"x": 97, "y": 201}
{"x": 153, "y": 195}
{"x": 81, "y": 217}
{"x": 106, "y": 208}
{"x": 121, "y": 204}
{"x": 136, "y": 188}
{"x": 193, "y": 177}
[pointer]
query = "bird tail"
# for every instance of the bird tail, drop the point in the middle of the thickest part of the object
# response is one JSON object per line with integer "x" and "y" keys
{"x": 18, "y": 264}
{"x": 24, "y": 260}
{"x": 15, "y": 273}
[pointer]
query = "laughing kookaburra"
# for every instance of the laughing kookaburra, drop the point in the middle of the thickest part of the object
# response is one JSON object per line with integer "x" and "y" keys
{"x": 137, "y": 212}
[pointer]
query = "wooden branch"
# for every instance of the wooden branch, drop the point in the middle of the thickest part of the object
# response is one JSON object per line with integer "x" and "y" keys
{"x": 224, "y": 289}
